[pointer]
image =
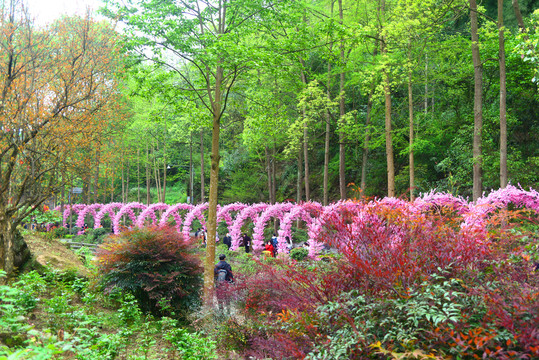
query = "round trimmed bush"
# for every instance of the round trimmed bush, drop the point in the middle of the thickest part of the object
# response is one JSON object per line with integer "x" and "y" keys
{"x": 154, "y": 264}
{"x": 299, "y": 253}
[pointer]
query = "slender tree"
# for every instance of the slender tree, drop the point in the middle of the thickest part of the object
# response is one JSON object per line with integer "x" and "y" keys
{"x": 478, "y": 105}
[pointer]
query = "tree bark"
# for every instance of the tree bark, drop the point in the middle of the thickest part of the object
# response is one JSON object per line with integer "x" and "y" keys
{"x": 342, "y": 163}
{"x": 518, "y": 15}
{"x": 157, "y": 176}
{"x": 148, "y": 197}
{"x": 478, "y": 105}
{"x": 503, "y": 97}
{"x": 365, "y": 154}
{"x": 305, "y": 143}
{"x": 326, "y": 142}
{"x": 411, "y": 133}
{"x": 299, "y": 196}
{"x": 388, "y": 131}
{"x": 123, "y": 180}
{"x": 202, "y": 195}
{"x": 138, "y": 175}
{"x": 96, "y": 178}
{"x": 268, "y": 171}
{"x": 214, "y": 181}
{"x": 274, "y": 200}
{"x": 190, "y": 189}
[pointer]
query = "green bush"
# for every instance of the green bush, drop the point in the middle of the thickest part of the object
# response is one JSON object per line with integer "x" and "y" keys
{"x": 59, "y": 232}
{"x": 155, "y": 265}
{"x": 299, "y": 253}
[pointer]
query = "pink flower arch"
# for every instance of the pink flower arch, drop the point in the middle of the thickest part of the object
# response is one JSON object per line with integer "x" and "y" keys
{"x": 305, "y": 212}
{"x": 196, "y": 212}
{"x": 174, "y": 212}
{"x": 128, "y": 210}
{"x": 106, "y": 209}
{"x": 76, "y": 208}
{"x": 225, "y": 212}
{"x": 150, "y": 211}
{"x": 246, "y": 213}
{"x": 278, "y": 211}
{"x": 92, "y": 209}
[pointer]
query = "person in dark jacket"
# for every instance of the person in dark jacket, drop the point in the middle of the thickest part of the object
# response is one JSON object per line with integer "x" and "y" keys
{"x": 227, "y": 240}
{"x": 247, "y": 243}
{"x": 223, "y": 265}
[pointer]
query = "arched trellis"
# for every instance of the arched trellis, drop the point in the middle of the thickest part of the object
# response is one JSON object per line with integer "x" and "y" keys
{"x": 479, "y": 212}
{"x": 224, "y": 212}
{"x": 474, "y": 216}
{"x": 173, "y": 211}
{"x": 273, "y": 211}
{"x": 306, "y": 212}
{"x": 106, "y": 209}
{"x": 150, "y": 211}
{"x": 248, "y": 212}
{"x": 92, "y": 209}
{"x": 196, "y": 212}
{"x": 76, "y": 208}
{"x": 129, "y": 211}
{"x": 441, "y": 200}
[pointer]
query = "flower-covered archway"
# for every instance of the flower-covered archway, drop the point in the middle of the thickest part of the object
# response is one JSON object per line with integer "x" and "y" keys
{"x": 305, "y": 212}
{"x": 195, "y": 213}
{"x": 87, "y": 209}
{"x": 225, "y": 212}
{"x": 107, "y": 209}
{"x": 174, "y": 212}
{"x": 150, "y": 211}
{"x": 250, "y": 212}
{"x": 273, "y": 211}
{"x": 128, "y": 210}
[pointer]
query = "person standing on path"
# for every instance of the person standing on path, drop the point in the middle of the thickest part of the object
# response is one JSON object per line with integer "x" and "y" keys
{"x": 221, "y": 275}
{"x": 247, "y": 243}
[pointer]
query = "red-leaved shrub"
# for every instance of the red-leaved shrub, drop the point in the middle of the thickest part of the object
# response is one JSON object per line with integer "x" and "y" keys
{"x": 156, "y": 265}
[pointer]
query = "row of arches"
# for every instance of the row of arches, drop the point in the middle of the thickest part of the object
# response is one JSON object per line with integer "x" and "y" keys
{"x": 312, "y": 214}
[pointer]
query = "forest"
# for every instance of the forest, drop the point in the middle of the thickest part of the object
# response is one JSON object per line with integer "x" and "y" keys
{"x": 319, "y": 101}
{"x": 388, "y": 147}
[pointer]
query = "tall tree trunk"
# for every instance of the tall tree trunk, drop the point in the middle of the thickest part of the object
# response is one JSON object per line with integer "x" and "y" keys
{"x": 274, "y": 200}
{"x": 190, "y": 189}
{"x": 478, "y": 105}
{"x": 365, "y": 154}
{"x": 306, "y": 162}
{"x": 127, "y": 178}
{"x": 305, "y": 141}
{"x": 426, "y": 84}
{"x": 164, "y": 179}
{"x": 388, "y": 130}
{"x": 112, "y": 188}
{"x": 96, "y": 178}
{"x": 7, "y": 236}
{"x": 214, "y": 181}
{"x": 328, "y": 126}
{"x": 518, "y": 15}
{"x": 123, "y": 180}
{"x": 299, "y": 196}
{"x": 202, "y": 195}
{"x": 342, "y": 160}
{"x": 503, "y": 97}
{"x": 138, "y": 175}
{"x": 268, "y": 170}
{"x": 165, "y": 162}
{"x": 148, "y": 195}
{"x": 157, "y": 176}
{"x": 411, "y": 130}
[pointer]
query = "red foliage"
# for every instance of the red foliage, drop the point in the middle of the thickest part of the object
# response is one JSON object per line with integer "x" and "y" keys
{"x": 152, "y": 263}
